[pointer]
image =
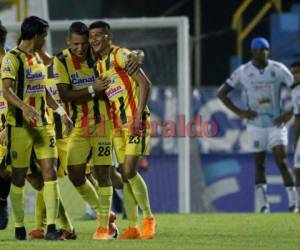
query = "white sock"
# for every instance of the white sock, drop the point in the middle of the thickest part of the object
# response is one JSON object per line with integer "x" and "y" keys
{"x": 261, "y": 199}
{"x": 292, "y": 196}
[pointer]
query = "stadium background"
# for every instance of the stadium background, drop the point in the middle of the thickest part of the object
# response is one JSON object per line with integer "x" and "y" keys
{"x": 222, "y": 173}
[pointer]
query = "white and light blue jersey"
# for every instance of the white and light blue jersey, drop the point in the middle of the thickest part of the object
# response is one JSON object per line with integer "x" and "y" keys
{"x": 262, "y": 89}
{"x": 296, "y": 99}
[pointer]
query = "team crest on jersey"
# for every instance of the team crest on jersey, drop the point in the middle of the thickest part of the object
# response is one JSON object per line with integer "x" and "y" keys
{"x": 3, "y": 105}
{"x": 39, "y": 88}
{"x": 6, "y": 69}
{"x": 29, "y": 75}
{"x": 113, "y": 91}
{"x": 77, "y": 80}
{"x": 256, "y": 144}
{"x": 273, "y": 74}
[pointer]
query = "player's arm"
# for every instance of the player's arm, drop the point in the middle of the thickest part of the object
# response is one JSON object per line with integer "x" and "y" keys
{"x": 9, "y": 71}
{"x": 297, "y": 128}
{"x": 284, "y": 118}
{"x": 144, "y": 86}
{"x": 29, "y": 112}
{"x": 135, "y": 60}
{"x": 52, "y": 103}
{"x": 67, "y": 94}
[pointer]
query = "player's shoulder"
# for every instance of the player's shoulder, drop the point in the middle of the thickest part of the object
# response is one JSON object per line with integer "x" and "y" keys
{"x": 62, "y": 55}
{"x": 277, "y": 65}
{"x": 243, "y": 67}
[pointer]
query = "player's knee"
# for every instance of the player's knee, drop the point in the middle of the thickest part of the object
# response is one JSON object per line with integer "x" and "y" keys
{"x": 77, "y": 180}
{"x": 18, "y": 181}
{"x": 128, "y": 174}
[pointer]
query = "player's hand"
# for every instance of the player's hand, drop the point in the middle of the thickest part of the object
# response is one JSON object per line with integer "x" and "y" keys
{"x": 282, "y": 119}
{"x": 65, "y": 119}
{"x": 248, "y": 114}
{"x": 101, "y": 84}
{"x": 135, "y": 60}
{"x": 136, "y": 125}
{"x": 30, "y": 114}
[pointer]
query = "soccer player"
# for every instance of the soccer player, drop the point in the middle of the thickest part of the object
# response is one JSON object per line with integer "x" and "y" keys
{"x": 5, "y": 180}
{"x": 127, "y": 96}
{"x": 24, "y": 87}
{"x": 295, "y": 69}
{"x": 78, "y": 86}
{"x": 34, "y": 176}
{"x": 261, "y": 79}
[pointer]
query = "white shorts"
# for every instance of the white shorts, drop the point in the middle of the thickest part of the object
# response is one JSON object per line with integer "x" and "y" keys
{"x": 297, "y": 155}
{"x": 262, "y": 139}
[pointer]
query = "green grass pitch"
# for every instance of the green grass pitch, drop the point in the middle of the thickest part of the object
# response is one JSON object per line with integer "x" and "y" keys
{"x": 180, "y": 231}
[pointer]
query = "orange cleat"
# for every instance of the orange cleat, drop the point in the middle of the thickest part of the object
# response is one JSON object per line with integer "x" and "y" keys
{"x": 36, "y": 234}
{"x": 131, "y": 233}
{"x": 101, "y": 234}
{"x": 149, "y": 227}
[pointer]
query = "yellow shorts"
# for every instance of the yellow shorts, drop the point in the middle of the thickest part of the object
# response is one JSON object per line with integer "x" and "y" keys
{"x": 22, "y": 141}
{"x": 63, "y": 155}
{"x": 126, "y": 144}
{"x": 95, "y": 146}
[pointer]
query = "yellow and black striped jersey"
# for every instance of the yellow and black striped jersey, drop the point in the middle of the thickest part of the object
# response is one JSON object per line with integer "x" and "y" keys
{"x": 123, "y": 92}
{"x": 29, "y": 83}
{"x": 79, "y": 75}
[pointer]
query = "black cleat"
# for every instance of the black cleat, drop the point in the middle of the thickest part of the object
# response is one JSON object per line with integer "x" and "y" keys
{"x": 3, "y": 214}
{"x": 20, "y": 233}
{"x": 53, "y": 235}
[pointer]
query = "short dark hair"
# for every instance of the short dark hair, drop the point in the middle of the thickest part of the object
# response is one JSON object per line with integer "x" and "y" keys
{"x": 33, "y": 26}
{"x": 3, "y": 34}
{"x": 295, "y": 64}
{"x": 78, "y": 28}
{"x": 99, "y": 24}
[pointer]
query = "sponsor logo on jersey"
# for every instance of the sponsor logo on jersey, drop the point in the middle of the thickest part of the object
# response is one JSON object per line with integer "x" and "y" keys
{"x": 77, "y": 80}
{"x": 264, "y": 100}
{"x": 39, "y": 88}
{"x": 113, "y": 91}
{"x": 29, "y": 75}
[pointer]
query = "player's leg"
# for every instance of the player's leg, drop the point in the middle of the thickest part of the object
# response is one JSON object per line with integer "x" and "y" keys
{"x": 278, "y": 142}
{"x": 19, "y": 155}
{"x": 280, "y": 156}
{"x": 297, "y": 169}
{"x": 67, "y": 229}
{"x": 258, "y": 145}
{"x": 262, "y": 205}
{"x": 130, "y": 203}
{"x": 46, "y": 154}
{"x": 102, "y": 161}
{"x": 5, "y": 181}
{"x": 79, "y": 150}
{"x": 36, "y": 181}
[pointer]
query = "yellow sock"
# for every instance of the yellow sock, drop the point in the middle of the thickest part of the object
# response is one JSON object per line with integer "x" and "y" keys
{"x": 105, "y": 198}
{"x": 89, "y": 194}
{"x": 17, "y": 203}
{"x": 140, "y": 192}
{"x": 40, "y": 209}
{"x": 64, "y": 219}
{"x": 51, "y": 198}
{"x": 130, "y": 205}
